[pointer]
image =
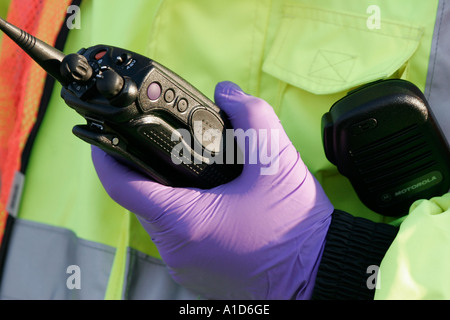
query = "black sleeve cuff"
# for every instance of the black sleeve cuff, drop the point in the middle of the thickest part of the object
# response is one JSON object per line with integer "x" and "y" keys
{"x": 352, "y": 245}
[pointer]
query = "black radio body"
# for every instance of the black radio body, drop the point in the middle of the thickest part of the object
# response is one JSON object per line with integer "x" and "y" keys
{"x": 141, "y": 113}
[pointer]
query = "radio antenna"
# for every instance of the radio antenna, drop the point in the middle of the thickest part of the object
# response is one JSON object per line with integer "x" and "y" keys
{"x": 46, "y": 56}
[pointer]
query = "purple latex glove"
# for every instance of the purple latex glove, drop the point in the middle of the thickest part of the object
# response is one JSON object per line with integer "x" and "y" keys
{"x": 260, "y": 236}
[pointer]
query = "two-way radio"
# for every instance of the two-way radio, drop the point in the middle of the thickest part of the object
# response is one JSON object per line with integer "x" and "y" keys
{"x": 135, "y": 109}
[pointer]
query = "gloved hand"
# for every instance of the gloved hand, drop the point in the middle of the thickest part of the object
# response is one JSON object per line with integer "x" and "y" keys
{"x": 260, "y": 236}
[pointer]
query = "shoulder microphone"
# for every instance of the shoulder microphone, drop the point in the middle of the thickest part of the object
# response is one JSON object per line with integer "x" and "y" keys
{"x": 384, "y": 138}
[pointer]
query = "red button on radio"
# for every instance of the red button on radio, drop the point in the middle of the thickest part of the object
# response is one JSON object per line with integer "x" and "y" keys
{"x": 100, "y": 54}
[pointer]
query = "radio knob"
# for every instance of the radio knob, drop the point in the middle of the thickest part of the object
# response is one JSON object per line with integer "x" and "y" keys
{"x": 75, "y": 67}
{"x": 109, "y": 83}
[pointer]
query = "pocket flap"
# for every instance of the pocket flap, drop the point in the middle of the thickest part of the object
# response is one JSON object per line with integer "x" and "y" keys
{"x": 325, "y": 52}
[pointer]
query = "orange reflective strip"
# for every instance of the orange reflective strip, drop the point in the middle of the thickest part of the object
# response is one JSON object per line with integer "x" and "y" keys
{"x": 21, "y": 85}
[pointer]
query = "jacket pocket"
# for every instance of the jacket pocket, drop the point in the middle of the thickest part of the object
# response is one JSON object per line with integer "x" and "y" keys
{"x": 326, "y": 52}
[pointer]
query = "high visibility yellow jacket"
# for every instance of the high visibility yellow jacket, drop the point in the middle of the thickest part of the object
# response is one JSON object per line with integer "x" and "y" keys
{"x": 300, "y": 56}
